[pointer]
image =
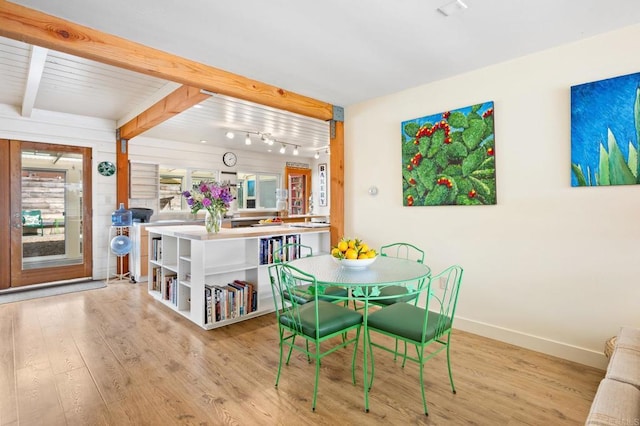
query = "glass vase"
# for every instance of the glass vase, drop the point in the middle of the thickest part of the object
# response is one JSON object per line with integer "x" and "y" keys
{"x": 213, "y": 220}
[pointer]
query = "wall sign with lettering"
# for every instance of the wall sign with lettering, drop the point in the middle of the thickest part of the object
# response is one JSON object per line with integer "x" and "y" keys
{"x": 322, "y": 178}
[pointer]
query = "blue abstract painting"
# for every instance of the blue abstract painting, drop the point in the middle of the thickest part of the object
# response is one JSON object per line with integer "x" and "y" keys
{"x": 605, "y": 129}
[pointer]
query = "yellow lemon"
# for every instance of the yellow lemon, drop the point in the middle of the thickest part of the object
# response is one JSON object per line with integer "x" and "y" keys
{"x": 364, "y": 248}
{"x": 371, "y": 254}
{"x": 363, "y": 256}
{"x": 343, "y": 246}
{"x": 352, "y": 243}
{"x": 351, "y": 254}
{"x": 335, "y": 252}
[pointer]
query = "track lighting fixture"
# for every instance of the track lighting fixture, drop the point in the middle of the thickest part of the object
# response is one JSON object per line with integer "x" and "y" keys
{"x": 230, "y": 134}
{"x": 269, "y": 140}
{"x": 316, "y": 155}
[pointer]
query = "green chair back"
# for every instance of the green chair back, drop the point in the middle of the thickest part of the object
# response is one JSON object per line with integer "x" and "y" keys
{"x": 396, "y": 293}
{"x": 290, "y": 251}
{"x": 426, "y": 321}
{"x": 316, "y": 321}
{"x": 293, "y": 251}
{"x": 403, "y": 250}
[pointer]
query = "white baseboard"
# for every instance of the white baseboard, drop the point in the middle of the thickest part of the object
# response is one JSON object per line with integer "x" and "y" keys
{"x": 535, "y": 343}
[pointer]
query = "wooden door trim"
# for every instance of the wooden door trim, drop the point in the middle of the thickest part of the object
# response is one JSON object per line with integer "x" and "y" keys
{"x": 5, "y": 223}
{"x": 21, "y": 277}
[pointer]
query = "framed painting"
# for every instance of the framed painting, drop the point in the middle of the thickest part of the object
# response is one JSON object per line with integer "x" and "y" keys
{"x": 449, "y": 158}
{"x": 605, "y": 127}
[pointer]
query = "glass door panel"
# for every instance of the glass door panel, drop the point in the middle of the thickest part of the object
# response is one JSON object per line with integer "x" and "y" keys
{"x": 50, "y": 218}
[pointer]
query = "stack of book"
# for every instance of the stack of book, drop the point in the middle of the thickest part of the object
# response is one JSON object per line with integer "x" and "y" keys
{"x": 270, "y": 249}
{"x": 229, "y": 301}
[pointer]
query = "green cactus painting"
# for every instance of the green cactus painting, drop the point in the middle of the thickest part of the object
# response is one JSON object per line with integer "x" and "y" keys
{"x": 605, "y": 130}
{"x": 449, "y": 158}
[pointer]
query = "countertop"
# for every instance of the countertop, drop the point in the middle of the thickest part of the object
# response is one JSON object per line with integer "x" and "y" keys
{"x": 195, "y": 232}
{"x": 175, "y": 222}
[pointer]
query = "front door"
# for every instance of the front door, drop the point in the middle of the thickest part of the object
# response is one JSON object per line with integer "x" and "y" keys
{"x": 46, "y": 208}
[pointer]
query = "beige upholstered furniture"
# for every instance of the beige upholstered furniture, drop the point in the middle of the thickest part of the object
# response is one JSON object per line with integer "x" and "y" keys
{"x": 617, "y": 400}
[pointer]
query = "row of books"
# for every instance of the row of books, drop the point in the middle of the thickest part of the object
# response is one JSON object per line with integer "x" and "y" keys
{"x": 156, "y": 278}
{"x": 271, "y": 249}
{"x": 156, "y": 249}
{"x": 229, "y": 301}
{"x": 167, "y": 284}
{"x": 171, "y": 288}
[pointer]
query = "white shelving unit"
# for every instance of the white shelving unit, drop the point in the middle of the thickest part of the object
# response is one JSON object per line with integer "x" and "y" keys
{"x": 188, "y": 258}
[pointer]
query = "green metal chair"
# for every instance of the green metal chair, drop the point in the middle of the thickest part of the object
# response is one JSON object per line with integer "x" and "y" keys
{"x": 293, "y": 251}
{"x": 426, "y": 320}
{"x": 400, "y": 293}
{"x": 316, "y": 321}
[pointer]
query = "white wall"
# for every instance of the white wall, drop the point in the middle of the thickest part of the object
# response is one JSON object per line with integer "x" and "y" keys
{"x": 66, "y": 129}
{"x": 550, "y": 267}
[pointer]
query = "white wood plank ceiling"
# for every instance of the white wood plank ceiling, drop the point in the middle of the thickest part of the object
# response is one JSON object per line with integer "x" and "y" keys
{"x": 38, "y": 78}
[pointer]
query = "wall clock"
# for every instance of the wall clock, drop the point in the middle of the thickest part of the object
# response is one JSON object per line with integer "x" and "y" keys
{"x": 229, "y": 159}
{"x": 106, "y": 168}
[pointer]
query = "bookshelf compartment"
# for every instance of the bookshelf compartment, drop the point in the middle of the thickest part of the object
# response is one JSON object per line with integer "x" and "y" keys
{"x": 218, "y": 281}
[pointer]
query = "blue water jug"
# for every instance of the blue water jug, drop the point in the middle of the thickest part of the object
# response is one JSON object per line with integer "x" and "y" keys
{"x": 121, "y": 217}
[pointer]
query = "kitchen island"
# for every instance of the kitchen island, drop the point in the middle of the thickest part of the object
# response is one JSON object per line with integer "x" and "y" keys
{"x": 218, "y": 279}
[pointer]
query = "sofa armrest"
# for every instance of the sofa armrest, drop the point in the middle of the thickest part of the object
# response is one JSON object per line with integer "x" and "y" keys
{"x": 616, "y": 403}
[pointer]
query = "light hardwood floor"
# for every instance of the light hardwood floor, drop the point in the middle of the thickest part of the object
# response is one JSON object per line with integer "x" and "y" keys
{"x": 114, "y": 356}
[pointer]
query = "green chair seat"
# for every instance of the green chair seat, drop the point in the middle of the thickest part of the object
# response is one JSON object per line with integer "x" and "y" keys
{"x": 331, "y": 319}
{"x": 303, "y": 295}
{"x": 407, "y": 321}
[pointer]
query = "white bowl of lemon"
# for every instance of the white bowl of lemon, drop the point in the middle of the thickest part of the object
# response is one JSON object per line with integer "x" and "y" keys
{"x": 353, "y": 254}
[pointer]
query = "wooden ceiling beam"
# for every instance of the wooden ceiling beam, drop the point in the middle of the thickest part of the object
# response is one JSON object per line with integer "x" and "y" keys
{"x": 179, "y": 100}
{"x": 34, "y": 27}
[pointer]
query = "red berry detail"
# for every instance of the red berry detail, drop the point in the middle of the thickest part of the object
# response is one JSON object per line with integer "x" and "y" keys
{"x": 489, "y": 151}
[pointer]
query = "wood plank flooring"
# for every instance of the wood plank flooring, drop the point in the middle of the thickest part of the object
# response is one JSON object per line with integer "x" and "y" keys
{"x": 114, "y": 356}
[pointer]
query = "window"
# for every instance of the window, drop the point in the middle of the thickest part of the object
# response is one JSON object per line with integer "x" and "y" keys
{"x": 174, "y": 181}
{"x": 257, "y": 190}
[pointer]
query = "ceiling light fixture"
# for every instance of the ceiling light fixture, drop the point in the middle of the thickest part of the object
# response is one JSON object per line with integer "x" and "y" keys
{"x": 452, "y": 7}
{"x": 230, "y": 134}
{"x": 270, "y": 140}
{"x": 316, "y": 155}
{"x": 203, "y": 141}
